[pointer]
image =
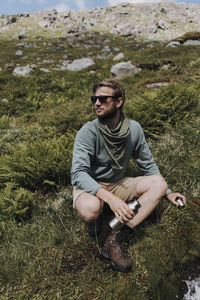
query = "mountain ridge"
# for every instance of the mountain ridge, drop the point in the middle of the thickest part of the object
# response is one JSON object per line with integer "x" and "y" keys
{"x": 162, "y": 21}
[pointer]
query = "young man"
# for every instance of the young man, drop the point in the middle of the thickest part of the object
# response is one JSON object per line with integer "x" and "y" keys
{"x": 102, "y": 151}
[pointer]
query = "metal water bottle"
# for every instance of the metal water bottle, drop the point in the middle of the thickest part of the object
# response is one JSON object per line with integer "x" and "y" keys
{"x": 180, "y": 202}
{"x": 115, "y": 224}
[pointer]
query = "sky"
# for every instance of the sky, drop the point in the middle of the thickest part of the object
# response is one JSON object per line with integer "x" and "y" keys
{"x": 29, "y": 6}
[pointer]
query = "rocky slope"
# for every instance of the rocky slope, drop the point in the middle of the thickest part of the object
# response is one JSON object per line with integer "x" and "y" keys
{"x": 148, "y": 21}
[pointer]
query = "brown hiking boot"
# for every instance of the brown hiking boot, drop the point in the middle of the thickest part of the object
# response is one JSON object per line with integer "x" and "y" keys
{"x": 93, "y": 228}
{"x": 113, "y": 250}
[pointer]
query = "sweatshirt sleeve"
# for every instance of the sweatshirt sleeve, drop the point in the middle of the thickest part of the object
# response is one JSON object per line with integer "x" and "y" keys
{"x": 83, "y": 153}
{"x": 143, "y": 155}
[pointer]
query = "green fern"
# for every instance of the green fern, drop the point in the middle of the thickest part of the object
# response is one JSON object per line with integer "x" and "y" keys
{"x": 15, "y": 202}
{"x": 40, "y": 164}
{"x": 172, "y": 104}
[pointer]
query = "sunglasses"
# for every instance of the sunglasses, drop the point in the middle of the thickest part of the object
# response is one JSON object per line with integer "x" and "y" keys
{"x": 102, "y": 99}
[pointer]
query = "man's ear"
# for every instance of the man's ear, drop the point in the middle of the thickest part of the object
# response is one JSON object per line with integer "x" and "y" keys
{"x": 119, "y": 102}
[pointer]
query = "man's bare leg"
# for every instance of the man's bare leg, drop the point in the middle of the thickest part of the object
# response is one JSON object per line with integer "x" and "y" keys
{"x": 89, "y": 207}
{"x": 150, "y": 190}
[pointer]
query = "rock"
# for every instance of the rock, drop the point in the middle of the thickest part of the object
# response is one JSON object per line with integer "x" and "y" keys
{"x": 119, "y": 56}
{"x": 163, "y": 25}
{"x": 19, "y": 36}
{"x": 9, "y": 66}
{"x": 104, "y": 56}
{"x": 48, "y": 61}
{"x": 80, "y": 64}
{"x": 165, "y": 67}
{"x": 65, "y": 64}
{"x": 22, "y": 71}
{"x": 192, "y": 43}
{"x": 32, "y": 45}
{"x": 22, "y": 44}
{"x": 106, "y": 50}
{"x": 43, "y": 24}
{"x": 150, "y": 21}
{"x": 39, "y": 37}
{"x": 12, "y": 19}
{"x": 45, "y": 70}
{"x": 19, "y": 53}
{"x": 156, "y": 85}
{"x": 124, "y": 69}
{"x": 173, "y": 44}
{"x": 4, "y": 100}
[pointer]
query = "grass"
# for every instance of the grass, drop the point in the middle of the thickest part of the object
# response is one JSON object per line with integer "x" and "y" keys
{"x": 45, "y": 252}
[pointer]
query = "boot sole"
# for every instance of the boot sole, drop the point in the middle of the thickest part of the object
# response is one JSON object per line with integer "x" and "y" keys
{"x": 115, "y": 266}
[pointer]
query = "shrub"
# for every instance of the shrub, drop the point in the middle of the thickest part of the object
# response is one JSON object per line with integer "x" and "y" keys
{"x": 15, "y": 202}
{"x": 39, "y": 165}
{"x": 177, "y": 154}
{"x": 172, "y": 104}
{"x": 8, "y": 138}
{"x": 67, "y": 116}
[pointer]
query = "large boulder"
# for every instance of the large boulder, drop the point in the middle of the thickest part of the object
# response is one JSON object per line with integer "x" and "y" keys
{"x": 124, "y": 69}
{"x": 80, "y": 64}
{"x": 22, "y": 71}
{"x": 192, "y": 43}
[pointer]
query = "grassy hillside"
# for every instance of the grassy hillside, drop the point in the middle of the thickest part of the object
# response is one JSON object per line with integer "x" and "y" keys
{"x": 45, "y": 252}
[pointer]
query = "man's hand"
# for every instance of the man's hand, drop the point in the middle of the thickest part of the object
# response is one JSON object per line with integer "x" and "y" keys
{"x": 173, "y": 196}
{"x": 121, "y": 210}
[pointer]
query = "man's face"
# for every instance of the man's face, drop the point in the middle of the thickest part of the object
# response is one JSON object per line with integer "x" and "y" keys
{"x": 108, "y": 109}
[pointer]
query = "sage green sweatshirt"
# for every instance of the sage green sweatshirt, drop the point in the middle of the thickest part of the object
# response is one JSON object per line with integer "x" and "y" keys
{"x": 91, "y": 163}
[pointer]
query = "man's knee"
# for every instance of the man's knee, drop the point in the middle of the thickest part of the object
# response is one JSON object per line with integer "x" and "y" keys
{"x": 89, "y": 207}
{"x": 157, "y": 181}
{"x": 153, "y": 183}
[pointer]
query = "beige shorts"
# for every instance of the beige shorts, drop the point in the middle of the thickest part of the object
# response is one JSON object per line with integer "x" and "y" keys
{"x": 125, "y": 188}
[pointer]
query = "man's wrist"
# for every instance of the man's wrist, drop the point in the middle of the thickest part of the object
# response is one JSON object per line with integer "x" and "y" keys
{"x": 168, "y": 192}
{"x": 104, "y": 195}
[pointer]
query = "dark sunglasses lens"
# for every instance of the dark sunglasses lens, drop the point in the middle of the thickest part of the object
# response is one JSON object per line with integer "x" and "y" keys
{"x": 93, "y": 99}
{"x": 102, "y": 99}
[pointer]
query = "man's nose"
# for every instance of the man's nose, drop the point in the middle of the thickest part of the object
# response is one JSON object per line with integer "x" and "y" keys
{"x": 97, "y": 102}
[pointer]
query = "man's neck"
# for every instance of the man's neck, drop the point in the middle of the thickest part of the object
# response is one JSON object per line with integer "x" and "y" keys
{"x": 113, "y": 122}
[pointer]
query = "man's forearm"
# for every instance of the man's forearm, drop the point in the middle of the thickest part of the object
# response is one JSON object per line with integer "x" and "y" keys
{"x": 105, "y": 195}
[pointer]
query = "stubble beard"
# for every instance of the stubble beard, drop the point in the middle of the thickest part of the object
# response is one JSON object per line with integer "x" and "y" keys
{"x": 108, "y": 115}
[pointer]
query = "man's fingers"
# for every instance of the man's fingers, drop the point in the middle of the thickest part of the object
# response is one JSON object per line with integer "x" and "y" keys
{"x": 119, "y": 218}
{"x": 126, "y": 212}
{"x": 127, "y": 209}
{"x": 123, "y": 218}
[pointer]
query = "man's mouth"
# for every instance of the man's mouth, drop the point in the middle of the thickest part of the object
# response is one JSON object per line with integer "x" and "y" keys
{"x": 98, "y": 109}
